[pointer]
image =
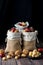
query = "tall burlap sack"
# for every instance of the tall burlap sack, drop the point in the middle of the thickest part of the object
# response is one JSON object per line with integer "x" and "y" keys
{"x": 29, "y": 40}
{"x": 13, "y": 41}
{"x": 13, "y": 45}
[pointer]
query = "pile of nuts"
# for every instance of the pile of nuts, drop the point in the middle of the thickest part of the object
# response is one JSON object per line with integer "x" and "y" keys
{"x": 34, "y": 53}
{"x": 18, "y": 53}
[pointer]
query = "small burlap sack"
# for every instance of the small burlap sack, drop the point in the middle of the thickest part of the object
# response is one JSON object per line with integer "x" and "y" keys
{"x": 30, "y": 45}
{"x": 29, "y": 40}
{"x": 13, "y": 41}
{"x": 20, "y": 28}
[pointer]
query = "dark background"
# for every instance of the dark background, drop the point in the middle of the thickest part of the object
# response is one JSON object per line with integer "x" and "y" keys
{"x": 12, "y": 11}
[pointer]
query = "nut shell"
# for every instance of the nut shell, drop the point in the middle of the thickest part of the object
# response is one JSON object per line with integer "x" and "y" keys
{"x": 25, "y": 51}
{"x": 11, "y": 54}
{"x": 17, "y": 57}
{"x": 18, "y": 52}
{"x": 2, "y": 51}
{"x": 8, "y": 56}
{"x": 30, "y": 53}
{"x": 23, "y": 55}
{"x": 4, "y": 58}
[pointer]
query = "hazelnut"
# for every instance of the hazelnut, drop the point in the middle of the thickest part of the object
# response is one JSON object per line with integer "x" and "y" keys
{"x": 18, "y": 52}
{"x": 11, "y": 54}
{"x": 2, "y": 51}
{"x": 25, "y": 51}
{"x": 16, "y": 57}
{"x": 30, "y": 53}
{"x": 4, "y": 58}
{"x": 16, "y": 30}
{"x": 23, "y": 23}
{"x": 8, "y": 56}
{"x": 33, "y": 55}
{"x": 23, "y": 55}
{"x": 35, "y": 50}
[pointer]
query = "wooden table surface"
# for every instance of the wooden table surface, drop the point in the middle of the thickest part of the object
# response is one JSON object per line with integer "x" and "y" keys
{"x": 21, "y": 61}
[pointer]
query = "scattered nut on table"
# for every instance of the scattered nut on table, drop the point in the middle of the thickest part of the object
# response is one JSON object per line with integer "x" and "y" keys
{"x": 16, "y": 57}
{"x": 18, "y": 52}
{"x": 30, "y": 53}
{"x": 4, "y": 58}
{"x": 23, "y": 55}
{"x": 25, "y": 51}
{"x": 8, "y": 56}
{"x": 11, "y": 54}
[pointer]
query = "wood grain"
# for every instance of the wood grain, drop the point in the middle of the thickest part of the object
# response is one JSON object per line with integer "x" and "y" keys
{"x": 21, "y": 61}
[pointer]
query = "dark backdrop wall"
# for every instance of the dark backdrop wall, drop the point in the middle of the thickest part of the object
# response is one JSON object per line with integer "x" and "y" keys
{"x": 12, "y": 11}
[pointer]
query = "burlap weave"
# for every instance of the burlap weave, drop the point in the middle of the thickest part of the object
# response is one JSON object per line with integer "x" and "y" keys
{"x": 13, "y": 45}
{"x": 30, "y": 45}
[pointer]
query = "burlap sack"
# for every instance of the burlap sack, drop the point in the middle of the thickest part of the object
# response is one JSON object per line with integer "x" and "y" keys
{"x": 13, "y": 41}
{"x": 30, "y": 45}
{"x": 13, "y": 45}
{"x": 20, "y": 28}
{"x": 29, "y": 40}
